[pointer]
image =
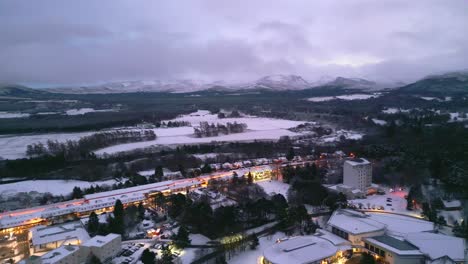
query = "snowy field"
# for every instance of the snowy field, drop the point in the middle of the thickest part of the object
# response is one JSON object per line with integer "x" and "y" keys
{"x": 343, "y": 97}
{"x": 393, "y": 110}
{"x": 348, "y": 134}
{"x": 379, "y": 122}
{"x": 274, "y": 187}
{"x": 252, "y": 256}
{"x": 14, "y": 147}
{"x": 82, "y": 111}
{"x": 12, "y": 115}
{"x": 55, "y": 187}
{"x": 258, "y": 128}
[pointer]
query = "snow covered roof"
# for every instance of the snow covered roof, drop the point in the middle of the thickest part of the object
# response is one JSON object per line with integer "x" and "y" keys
{"x": 99, "y": 241}
{"x": 58, "y": 254}
{"x": 357, "y": 161}
{"x": 451, "y": 204}
{"x": 48, "y": 234}
{"x": 300, "y": 250}
{"x": 354, "y": 222}
{"x": 399, "y": 225}
{"x": 342, "y": 243}
{"x": 394, "y": 245}
{"x": 438, "y": 245}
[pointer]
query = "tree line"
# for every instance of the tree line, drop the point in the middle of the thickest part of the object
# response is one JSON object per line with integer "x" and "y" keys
{"x": 211, "y": 130}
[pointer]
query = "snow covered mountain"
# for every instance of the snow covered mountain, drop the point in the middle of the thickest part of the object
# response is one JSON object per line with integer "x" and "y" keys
{"x": 282, "y": 82}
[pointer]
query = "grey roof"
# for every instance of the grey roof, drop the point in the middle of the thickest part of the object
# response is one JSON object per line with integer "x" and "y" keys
{"x": 395, "y": 243}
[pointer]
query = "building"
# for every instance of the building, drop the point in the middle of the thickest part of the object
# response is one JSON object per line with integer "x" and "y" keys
{"x": 46, "y": 238}
{"x": 300, "y": 250}
{"x": 103, "y": 247}
{"x": 396, "y": 238}
{"x": 357, "y": 173}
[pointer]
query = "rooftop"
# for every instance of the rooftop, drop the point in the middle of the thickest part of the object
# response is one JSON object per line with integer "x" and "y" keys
{"x": 438, "y": 245}
{"x": 395, "y": 245}
{"x": 300, "y": 250}
{"x": 59, "y": 253}
{"x": 47, "y": 234}
{"x": 354, "y": 222}
{"x": 98, "y": 241}
{"x": 357, "y": 161}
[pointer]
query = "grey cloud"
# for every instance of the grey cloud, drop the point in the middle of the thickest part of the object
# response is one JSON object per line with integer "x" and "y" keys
{"x": 74, "y": 42}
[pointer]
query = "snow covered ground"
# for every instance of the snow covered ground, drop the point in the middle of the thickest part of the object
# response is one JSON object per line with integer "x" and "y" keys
{"x": 12, "y": 115}
{"x": 379, "y": 122}
{"x": 257, "y": 128}
{"x": 14, "y": 146}
{"x": 253, "y": 256}
{"x": 343, "y": 97}
{"x": 347, "y": 134}
{"x": 274, "y": 187}
{"x": 393, "y": 110}
{"x": 56, "y": 187}
{"x": 82, "y": 111}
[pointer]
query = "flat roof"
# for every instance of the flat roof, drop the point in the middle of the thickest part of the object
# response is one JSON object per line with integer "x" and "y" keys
{"x": 394, "y": 245}
{"x": 98, "y": 241}
{"x": 357, "y": 161}
{"x": 300, "y": 250}
{"x": 437, "y": 245}
{"x": 400, "y": 225}
{"x": 354, "y": 222}
{"x": 59, "y": 253}
{"x": 47, "y": 234}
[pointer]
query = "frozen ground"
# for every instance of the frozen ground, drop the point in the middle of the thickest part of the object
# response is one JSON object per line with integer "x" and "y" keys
{"x": 56, "y": 187}
{"x": 14, "y": 146}
{"x": 257, "y": 128}
{"x": 393, "y": 110}
{"x": 253, "y": 256}
{"x": 343, "y": 97}
{"x": 348, "y": 134}
{"x": 12, "y": 115}
{"x": 82, "y": 111}
{"x": 379, "y": 122}
{"x": 397, "y": 204}
{"x": 272, "y": 186}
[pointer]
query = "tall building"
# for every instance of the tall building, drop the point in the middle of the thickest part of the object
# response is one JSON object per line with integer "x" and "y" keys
{"x": 357, "y": 173}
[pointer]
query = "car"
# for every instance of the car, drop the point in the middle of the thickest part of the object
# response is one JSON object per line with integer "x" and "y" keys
{"x": 158, "y": 246}
{"x": 141, "y": 244}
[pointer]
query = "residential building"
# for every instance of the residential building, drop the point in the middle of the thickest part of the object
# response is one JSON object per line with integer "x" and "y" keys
{"x": 357, "y": 173}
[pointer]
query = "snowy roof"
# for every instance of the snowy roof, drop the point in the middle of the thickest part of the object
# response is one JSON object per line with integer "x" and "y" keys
{"x": 342, "y": 243}
{"x": 394, "y": 245}
{"x": 300, "y": 250}
{"x": 438, "y": 245}
{"x": 357, "y": 161}
{"x": 399, "y": 225}
{"x": 452, "y": 204}
{"x": 58, "y": 254}
{"x": 99, "y": 241}
{"x": 47, "y": 234}
{"x": 354, "y": 222}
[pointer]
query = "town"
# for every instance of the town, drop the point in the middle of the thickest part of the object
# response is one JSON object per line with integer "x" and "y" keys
{"x": 362, "y": 219}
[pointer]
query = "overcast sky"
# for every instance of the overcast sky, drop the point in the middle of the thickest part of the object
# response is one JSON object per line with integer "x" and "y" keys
{"x": 77, "y": 42}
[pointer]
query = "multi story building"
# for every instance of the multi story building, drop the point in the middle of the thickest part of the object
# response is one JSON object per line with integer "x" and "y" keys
{"x": 103, "y": 247}
{"x": 357, "y": 173}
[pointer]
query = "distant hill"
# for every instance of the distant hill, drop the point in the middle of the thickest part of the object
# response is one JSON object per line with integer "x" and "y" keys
{"x": 452, "y": 83}
{"x": 14, "y": 90}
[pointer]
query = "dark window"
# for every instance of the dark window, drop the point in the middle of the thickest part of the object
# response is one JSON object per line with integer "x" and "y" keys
{"x": 382, "y": 253}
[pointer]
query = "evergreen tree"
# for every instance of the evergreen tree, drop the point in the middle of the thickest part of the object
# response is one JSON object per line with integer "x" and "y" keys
{"x": 93, "y": 260}
{"x": 206, "y": 168}
{"x": 181, "y": 239}
{"x": 290, "y": 154}
{"x": 159, "y": 173}
{"x": 249, "y": 178}
{"x": 93, "y": 224}
{"x": 77, "y": 193}
{"x": 166, "y": 257}
{"x": 116, "y": 223}
{"x": 254, "y": 243}
{"x": 148, "y": 257}
{"x": 141, "y": 211}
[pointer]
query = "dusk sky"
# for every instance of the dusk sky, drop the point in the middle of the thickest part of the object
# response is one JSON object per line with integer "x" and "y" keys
{"x": 83, "y": 42}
